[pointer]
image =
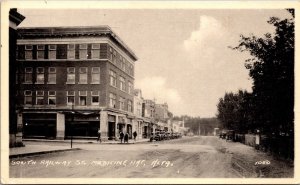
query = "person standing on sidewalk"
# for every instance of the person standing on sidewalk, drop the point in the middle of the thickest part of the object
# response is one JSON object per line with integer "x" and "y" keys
{"x": 134, "y": 135}
{"x": 99, "y": 135}
{"x": 126, "y": 138}
{"x": 121, "y": 136}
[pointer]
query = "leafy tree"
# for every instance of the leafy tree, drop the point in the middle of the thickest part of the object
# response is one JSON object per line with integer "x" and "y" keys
{"x": 272, "y": 71}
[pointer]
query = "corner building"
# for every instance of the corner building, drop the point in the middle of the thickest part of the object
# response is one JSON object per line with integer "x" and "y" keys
{"x": 71, "y": 81}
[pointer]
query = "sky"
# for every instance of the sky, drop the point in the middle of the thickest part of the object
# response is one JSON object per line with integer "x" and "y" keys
{"x": 184, "y": 57}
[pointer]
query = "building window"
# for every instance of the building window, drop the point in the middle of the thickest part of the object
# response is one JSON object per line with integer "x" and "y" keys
{"x": 82, "y": 98}
{"x": 52, "y": 75}
{"x": 71, "y": 51}
{"x": 83, "y": 75}
{"x": 51, "y": 98}
{"x": 113, "y": 78}
{"x": 112, "y": 100}
{"x": 130, "y": 88}
{"x": 82, "y": 51}
{"x": 110, "y": 53}
{"x": 95, "y": 75}
{"x": 122, "y": 103}
{"x": 123, "y": 64}
{"x": 39, "y": 97}
{"x": 71, "y": 75}
{"x": 17, "y": 76}
{"x": 95, "y": 97}
{"x": 52, "y": 51}
{"x": 40, "y": 75}
{"x": 28, "y": 75}
{"x": 95, "y": 51}
{"x": 122, "y": 84}
{"x": 70, "y": 97}
{"x": 129, "y": 105}
{"x": 40, "y": 51}
{"x": 28, "y": 98}
{"x": 114, "y": 57}
{"x": 131, "y": 70}
{"x": 28, "y": 52}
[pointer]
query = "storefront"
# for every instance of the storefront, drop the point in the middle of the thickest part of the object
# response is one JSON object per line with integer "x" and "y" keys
{"x": 39, "y": 125}
{"x": 82, "y": 125}
{"x": 111, "y": 127}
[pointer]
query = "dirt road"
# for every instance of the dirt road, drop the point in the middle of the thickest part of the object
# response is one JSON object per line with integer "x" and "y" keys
{"x": 196, "y": 157}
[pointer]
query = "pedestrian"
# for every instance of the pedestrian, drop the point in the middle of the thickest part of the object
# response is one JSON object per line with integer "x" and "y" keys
{"x": 99, "y": 136}
{"x": 126, "y": 137}
{"x": 121, "y": 136}
{"x": 134, "y": 135}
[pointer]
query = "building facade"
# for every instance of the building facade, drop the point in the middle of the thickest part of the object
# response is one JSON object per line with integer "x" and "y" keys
{"x": 138, "y": 112}
{"x": 148, "y": 111}
{"x": 15, "y": 129}
{"x": 73, "y": 81}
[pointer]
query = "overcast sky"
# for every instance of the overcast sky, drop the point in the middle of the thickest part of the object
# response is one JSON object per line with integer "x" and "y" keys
{"x": 184, "y": 58}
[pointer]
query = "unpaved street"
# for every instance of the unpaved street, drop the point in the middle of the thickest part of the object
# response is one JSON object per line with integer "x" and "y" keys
{"x": 190, "y": 157}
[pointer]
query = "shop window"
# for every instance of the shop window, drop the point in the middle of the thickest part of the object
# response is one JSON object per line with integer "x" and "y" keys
{"x": 71, "y": 75}
{"x": 95, "y": 75}
{"x": 51, "y": 98}
{"x": 40, "y": 51}
{"x": 40, "y": 75}
{"x": 27, "y": 97}
{"x": 28, "y": 52}
{"x": 83, "y": 75}
{"x": 70, "y": 97}
{"x": 52, "y": 75}
{"x": 82, "y": 98}
{"x": 95, "y": 97}
{"x": 52, "y": 51}
{"x": 71, "y": 51}
{"x": 39, "y": 97}
{"x": 28, "y": 75}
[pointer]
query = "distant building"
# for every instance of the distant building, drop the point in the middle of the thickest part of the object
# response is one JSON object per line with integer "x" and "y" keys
{"x": 72, "y": 81}
{"x": 161, "y": 112}
{"x": 15, "y": 125}
{"x": 138, "y": 112}
{"x": 148, "y": 111}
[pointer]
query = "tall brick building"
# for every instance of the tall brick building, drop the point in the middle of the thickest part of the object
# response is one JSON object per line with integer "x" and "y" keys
{"x": 72, "y": 81}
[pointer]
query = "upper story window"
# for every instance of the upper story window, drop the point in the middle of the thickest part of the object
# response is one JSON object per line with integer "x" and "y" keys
{"x": 129, "y": 105}
{"x": 95, "y": 75}
{"x": 122, "y": 83}
{"x": 71, "y": 51}
{"x": 28, "y": 52}
{"x": 95, "y": 51}
{"x": 83, "y": 51}
{"x": 28, "y": 75}
{"x": 28, "y": 97}
{"x": 52, "y": 51}
{"x": 71, "y": 75}
{"x": 83, "y": 75}
{"x": 114, "y": 57}
{"x": 82, "y": 98}
{"x": 52, "y": 75}
{"x": 122, "y": 103}
{"x": 40, "y": 75}
{"x": 130, "y": 88}
{"x": 123, "y": 64}
{"x": 112, "y": 100}
{"x": 39, "y": 97}
{"x": 110, "y": 55}
{"x": 113, "y": 78}
{"x": 95, "y": 97}
{"x": 52, "y": 98}
{"x": 70, "y": 97}
{"x": 40, "y": 51}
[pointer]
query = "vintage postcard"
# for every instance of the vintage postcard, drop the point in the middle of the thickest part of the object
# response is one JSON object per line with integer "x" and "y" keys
{"x": 149, "y": 92}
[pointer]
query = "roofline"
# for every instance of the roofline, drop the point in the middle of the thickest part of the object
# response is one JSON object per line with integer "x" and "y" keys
{"x": 89, "y": 30}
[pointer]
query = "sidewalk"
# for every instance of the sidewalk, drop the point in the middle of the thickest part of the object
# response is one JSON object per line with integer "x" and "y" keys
{"x": 38, "y": 149}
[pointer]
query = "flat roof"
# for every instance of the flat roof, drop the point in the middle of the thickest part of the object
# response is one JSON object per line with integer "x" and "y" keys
{"x": 103, "y": 30}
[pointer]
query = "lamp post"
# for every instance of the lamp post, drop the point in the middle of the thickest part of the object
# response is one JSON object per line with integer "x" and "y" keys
{"x": 72, "y": 124}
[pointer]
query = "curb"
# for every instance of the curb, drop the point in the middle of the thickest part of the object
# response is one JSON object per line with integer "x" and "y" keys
{"x": 80, "y": 142}
{"x": 39, "y": 153}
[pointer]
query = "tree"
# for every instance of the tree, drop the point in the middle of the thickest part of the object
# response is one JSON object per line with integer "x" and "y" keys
{"x": 272, "y": 71}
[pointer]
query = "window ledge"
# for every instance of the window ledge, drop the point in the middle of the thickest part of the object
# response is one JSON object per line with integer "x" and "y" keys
{"x": 72, "y": 83}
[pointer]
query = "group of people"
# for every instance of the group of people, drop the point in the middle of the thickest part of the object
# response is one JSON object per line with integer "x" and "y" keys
{"x": 123, "y": 136}
{"x": 126, "y": 136}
